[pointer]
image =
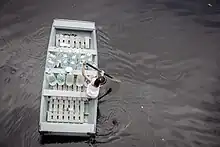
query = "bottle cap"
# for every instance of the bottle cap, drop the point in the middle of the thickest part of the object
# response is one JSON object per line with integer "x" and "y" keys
{"x": 68, "y": 69}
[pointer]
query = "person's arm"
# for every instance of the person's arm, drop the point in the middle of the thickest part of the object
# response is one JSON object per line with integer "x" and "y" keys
{"x": 83, "y": 72}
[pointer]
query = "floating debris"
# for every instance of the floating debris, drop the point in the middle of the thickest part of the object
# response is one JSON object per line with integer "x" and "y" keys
{"x": 210, "y": 5}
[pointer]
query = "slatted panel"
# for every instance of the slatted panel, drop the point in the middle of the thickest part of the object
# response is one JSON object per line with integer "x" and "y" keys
{"x": 66, "y": 109}
{"x": 71, "y": 41}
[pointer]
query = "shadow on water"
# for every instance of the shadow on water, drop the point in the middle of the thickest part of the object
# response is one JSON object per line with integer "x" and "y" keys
{"x": 53, "y": 139}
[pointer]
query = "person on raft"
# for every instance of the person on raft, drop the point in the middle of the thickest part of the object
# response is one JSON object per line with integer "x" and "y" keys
{"x": 94, "y": 83}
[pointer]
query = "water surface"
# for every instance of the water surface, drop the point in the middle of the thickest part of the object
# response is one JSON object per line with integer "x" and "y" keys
{"x": 166, "y": 52}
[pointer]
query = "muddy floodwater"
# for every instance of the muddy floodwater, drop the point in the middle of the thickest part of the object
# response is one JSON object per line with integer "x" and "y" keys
{"x": 166, "y": 52}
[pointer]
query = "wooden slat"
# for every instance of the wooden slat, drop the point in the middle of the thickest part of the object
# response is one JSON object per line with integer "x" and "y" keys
{"x": 77, "y": 110}
{"x": 57, "y": 40}
{"x": 75, "y": 72}
{"x": 86, "y": 112}
{"x": 65, "y": 127}
{"x": 87, "y": 42}
{"x": 50, "y": 101}
{"x": 74, "y": 50}
{"x": 49, "y": 114}
{"x": 77, "y": 42}
{"x": 73, "y": 25}
{"x": 72, "y": 111}
{"x": 61, "y": 105}
{"x": 66, "y": 103}
{"x": 81, "y": 111}
{"x": 82, "y": 42}
{"x": 60, "y": 93}
{"x": 68, "y": 40}
{"x": 55, "y": 110}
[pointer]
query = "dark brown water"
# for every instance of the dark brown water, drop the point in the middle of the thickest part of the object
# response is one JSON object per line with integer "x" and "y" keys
{"x": 166, "y": 52}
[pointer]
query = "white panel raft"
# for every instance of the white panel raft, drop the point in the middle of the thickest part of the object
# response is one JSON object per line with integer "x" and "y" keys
{"x": 65, "y": 109}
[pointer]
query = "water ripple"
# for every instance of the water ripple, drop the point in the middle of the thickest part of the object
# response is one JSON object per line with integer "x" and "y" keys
{"x": 112, "y": 122}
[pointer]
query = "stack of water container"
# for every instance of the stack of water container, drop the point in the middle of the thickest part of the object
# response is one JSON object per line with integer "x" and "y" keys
{"x": 68, "y": 57}
{"x": 65, "y": 109}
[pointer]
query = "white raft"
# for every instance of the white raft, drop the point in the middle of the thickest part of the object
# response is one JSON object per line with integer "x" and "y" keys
{"x": 64, "y": 107}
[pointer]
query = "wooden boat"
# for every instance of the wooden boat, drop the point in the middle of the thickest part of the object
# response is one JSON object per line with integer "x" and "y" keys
{"x": 64, "y": 108}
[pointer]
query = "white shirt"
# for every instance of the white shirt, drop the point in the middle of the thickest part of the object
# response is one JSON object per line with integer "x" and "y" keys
{"x": 91, "y": 90}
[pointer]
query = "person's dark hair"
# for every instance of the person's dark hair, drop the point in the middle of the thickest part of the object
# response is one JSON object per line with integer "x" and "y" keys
{"x": 99, "y": 81}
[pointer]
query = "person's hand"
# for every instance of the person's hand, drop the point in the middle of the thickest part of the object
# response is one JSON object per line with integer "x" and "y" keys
{"x": 102, "y": 73}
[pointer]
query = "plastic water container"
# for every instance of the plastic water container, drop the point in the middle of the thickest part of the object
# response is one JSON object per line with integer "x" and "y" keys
{"x": 60, "y": 80}
{"x": 51, "y": 61}
{"x": 51, "y": 79}
{"x": 79, "y": 82}
{"x": 73, "y": 61}
{"x": 69, "y": 77}
{"x": 64, "y": 60}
